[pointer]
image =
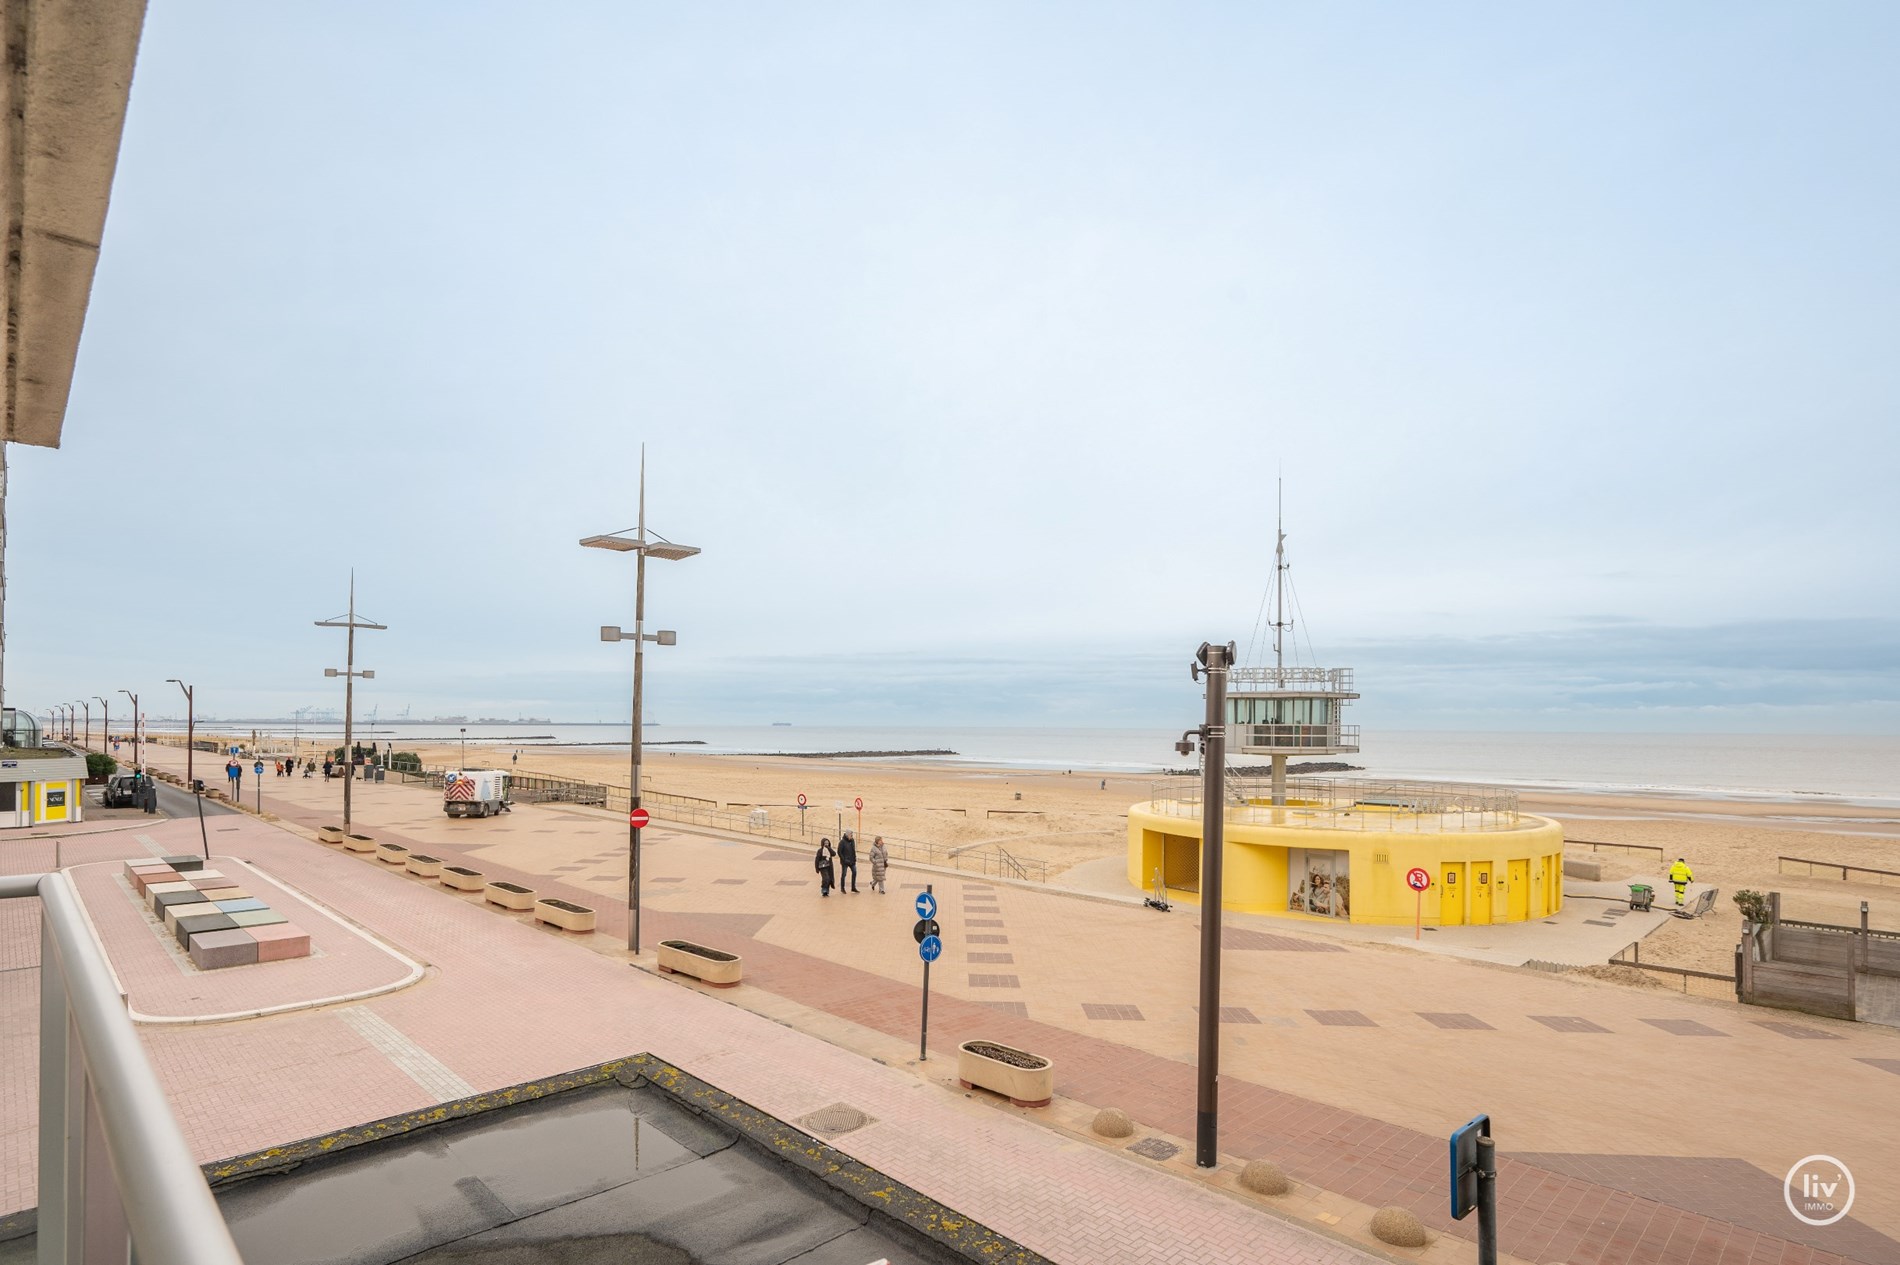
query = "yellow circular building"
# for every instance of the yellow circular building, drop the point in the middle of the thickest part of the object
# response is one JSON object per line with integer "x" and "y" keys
{"x": 1342, "y": 848}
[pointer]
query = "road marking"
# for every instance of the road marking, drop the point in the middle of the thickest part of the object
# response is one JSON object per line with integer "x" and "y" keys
{"x": 417, "y": 1063}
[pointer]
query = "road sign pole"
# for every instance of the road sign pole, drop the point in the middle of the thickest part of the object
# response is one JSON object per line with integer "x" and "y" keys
{"x": 923, "y": 1035}
{"x": 1418, "y": 916}
{"x": 1487, "y": 1202}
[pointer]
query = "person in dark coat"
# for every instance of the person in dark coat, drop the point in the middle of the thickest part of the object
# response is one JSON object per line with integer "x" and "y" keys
{"x": 847, "y": 862}
{"x": 823, "y": 864}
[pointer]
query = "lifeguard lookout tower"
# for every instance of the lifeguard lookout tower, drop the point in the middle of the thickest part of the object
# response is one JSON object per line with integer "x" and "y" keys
{"x": 1339, "y": 847}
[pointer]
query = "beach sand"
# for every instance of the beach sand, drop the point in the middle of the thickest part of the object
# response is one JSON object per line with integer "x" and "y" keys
{"x": 1067, "y": 819}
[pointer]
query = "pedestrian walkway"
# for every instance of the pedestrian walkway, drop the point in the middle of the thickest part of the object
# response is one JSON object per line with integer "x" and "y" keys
{"x": 505, "y": 1003}
{"x": 1347, "y": 1063}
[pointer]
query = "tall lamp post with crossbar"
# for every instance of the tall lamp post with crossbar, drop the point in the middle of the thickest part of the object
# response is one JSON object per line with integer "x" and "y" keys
{"x": 137, "y": 729}
{"x": 191, "y": 731}
{"x": 642, "y": 546}
{"x": 349, "y": 675}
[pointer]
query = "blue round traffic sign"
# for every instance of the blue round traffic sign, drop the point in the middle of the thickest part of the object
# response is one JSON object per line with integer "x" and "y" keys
{"x": 930, "y": 948}
{"x": 926, "y": 905}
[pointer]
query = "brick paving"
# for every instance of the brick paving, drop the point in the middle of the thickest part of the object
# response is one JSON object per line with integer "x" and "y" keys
{"x": 1538, "y": 1089}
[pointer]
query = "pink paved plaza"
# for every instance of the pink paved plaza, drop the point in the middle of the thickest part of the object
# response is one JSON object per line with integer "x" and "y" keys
{"x": 1344, "y": 1064}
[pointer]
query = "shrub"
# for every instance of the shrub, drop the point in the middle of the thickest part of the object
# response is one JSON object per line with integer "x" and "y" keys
{"x": 1754, "y": 906}
{"x": 99, "y": 765}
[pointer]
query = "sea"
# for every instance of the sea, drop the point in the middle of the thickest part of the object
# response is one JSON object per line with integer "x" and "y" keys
{"x": 1857, "y": 769}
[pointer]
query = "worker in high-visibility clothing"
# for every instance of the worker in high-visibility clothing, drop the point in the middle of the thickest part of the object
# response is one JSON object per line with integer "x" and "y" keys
{"x": 1680, "y": 877}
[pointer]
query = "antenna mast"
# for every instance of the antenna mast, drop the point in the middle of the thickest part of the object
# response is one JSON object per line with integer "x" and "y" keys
{"x": 1280, "y": 622}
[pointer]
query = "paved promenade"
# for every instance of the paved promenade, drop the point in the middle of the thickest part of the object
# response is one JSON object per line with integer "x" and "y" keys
{"x": 1635, "y": 1125}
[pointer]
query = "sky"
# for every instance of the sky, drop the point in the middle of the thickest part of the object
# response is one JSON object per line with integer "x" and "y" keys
{"x": 968, "y": 343}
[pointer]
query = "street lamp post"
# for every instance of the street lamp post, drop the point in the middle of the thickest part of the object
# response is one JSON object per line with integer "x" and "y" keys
{"x": 105, "y": 721}
{"x": 88, "y": 706}
{"x": 1213, "y": 663}
{"x": 191, "y": 720}
{"x": 349, "y": 675}
{"x": 464, "y": 748}
{"x": 641, "y": 547}
{"x": 136, "y": 762}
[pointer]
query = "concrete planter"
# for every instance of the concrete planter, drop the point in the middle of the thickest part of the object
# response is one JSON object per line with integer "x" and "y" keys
{"x": 359, "y": 843}
{"x": 566, "y": 916}
{"x": 427, "y": 867}
{"x": 509, "y": 895}
{"x": 1027, "y": 1080}
{"x": 463, "y": 879}
{"x": 329, "y": 834}
{"x": 391, "y": 853}
{"x": 710, "y": 966}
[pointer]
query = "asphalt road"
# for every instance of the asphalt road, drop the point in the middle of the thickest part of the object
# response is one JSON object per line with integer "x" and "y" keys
{"x": 174, "y": 802}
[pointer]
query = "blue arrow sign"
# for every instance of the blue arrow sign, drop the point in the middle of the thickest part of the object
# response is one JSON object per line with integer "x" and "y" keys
{"x": 926, "y": 905}
{"x": 930, "y": 948}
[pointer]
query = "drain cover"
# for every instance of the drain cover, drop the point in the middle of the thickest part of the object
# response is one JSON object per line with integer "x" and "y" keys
{"x": 831, "y": 1121}
{"x": 1156, "y": 1149}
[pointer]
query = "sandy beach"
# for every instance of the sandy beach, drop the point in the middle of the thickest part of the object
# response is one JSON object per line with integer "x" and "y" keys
{"x": 1066, "y": 819}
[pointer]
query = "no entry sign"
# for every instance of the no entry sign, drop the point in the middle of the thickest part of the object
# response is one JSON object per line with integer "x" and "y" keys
{"x": 638, "y": 818}
{"x": 1418, "y": 880}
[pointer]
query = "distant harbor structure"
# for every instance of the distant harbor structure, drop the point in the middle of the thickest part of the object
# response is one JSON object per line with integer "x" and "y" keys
{"x": 1337, "y": 847}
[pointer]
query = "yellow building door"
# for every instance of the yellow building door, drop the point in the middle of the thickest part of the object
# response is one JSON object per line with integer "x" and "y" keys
{"x": 1480, "y": 893}
{"x": 1520, "y": 892}
{"x": 1451, "y": 895}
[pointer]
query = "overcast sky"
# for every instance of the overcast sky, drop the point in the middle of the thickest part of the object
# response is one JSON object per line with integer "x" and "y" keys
{"x": 967, "y": 342}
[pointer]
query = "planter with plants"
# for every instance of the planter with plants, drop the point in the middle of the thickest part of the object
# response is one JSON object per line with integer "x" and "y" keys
{"x": 563, "y": 914}
{"x": 463, "y": 879}
{"x": 1027, "y": 1080}
{"x": 509, "y": 895}
{"x": 709, "y": 966}
{"x": 1758, "y": 914}
{"x": 427, "y": 867}
{"x": 329, "y": 834}
{"x": 391, "y": 853}
{"x": 359, "y": 843}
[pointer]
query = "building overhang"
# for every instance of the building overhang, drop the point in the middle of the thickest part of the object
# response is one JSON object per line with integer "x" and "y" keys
{"x": 65, "y": 82}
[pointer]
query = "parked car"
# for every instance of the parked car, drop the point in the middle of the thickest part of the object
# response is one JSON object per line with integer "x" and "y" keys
{"x": 122, "y": 791}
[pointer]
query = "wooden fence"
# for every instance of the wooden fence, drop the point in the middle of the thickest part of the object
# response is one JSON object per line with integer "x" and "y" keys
{"x": 1828, "y": 869}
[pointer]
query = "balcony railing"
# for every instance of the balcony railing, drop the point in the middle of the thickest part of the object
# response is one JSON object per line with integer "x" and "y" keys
{"x": 1348, "y": 804}
{"x": 116, "y": 1178}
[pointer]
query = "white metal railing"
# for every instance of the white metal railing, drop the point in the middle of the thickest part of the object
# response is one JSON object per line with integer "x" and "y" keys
{"x": 1293, "y": 737}
{"x": 1348, "y": 804}
{"x": 116, "y": 1176}
{"x": 1319, "y": 680}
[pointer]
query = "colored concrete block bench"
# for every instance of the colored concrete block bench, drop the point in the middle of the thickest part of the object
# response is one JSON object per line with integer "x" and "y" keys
{"x": 184, "y": 863}
{"x": 240, "y": 905}
{"x": 256, "y": 917}
{"x": 190, "y": 925}
{"x": 280, "y": 941}
{"x": 214, "y": 950}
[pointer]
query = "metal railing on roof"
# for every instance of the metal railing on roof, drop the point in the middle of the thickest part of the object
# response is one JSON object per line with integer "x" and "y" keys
{"x": 1309, "y": 680}
{"x": 1349, "y": 804}
{"x": 116, "y": 1177}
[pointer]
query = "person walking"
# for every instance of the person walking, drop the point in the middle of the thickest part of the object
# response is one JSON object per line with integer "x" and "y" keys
{"x": 847, "y": 862}
{"x": 880, "y": 858}
{"x": 329, "y": 766}
{"x": 823, "y": 864}
{"x": 1680, "y": 876}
